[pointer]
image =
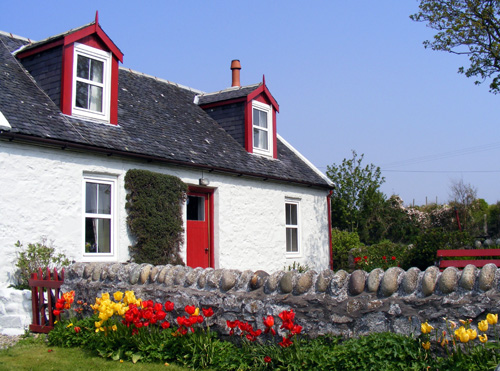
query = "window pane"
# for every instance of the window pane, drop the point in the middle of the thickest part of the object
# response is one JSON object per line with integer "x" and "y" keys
{"x": 292, "y": 240}
{"x": 259, "y": 118}
{"x": 90, "y": 235}
{"x": 104, "y": 199}
{"x": 196, "y": 208}
{"x": 291, "y": 214}
{"x": 104, "y": 233}
{"x": 260, "y": 139}
{"x": 97, "y": 235}
{"x": 82, "y": 67}
{"x": 263, "y": 119}
{"x": 96, "y": 72}
{"x": 95, "y": 98}
{"x": 82, "y": 95}
{"x": 91, "y": 198}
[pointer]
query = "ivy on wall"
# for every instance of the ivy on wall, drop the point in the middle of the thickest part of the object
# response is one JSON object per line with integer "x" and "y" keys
{"x": 154, "y": 205}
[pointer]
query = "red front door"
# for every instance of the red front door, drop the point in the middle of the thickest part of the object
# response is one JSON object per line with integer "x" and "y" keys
{"x": 199, "y": 246}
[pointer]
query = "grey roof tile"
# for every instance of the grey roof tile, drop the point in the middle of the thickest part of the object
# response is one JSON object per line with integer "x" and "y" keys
{"x": 155, "y": 119}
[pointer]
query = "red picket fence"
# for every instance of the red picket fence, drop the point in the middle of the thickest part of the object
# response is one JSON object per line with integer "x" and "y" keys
{"x": 44, "y": 295}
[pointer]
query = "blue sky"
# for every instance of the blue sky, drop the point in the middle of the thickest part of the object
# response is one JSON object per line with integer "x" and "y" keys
{"x": 348, "y": 75}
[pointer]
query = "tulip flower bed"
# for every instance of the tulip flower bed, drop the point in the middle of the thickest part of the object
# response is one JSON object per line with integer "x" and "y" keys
{"x": 126, "y": 328}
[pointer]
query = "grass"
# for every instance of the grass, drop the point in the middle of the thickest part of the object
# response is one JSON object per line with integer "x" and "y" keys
{"x": 34, "y": 354}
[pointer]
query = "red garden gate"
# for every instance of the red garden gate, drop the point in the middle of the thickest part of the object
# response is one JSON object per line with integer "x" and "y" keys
{"x": 44, "y": 295}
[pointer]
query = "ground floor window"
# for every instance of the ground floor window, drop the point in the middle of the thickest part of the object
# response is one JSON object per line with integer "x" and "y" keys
{"x": 98, "y": 219}
{"x": 292, "y": 226}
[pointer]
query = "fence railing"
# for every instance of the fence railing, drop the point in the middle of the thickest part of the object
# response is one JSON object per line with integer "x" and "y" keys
{"x": 45, "y": 290}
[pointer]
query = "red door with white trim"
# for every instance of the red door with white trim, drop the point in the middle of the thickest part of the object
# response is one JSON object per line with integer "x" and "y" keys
{"x": 199, "y": 229}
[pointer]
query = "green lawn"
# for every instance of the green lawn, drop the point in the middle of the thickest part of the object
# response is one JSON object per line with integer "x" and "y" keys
{"x": 34, "y": 354}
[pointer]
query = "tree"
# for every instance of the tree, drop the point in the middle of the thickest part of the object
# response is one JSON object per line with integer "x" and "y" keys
{"x": 356, "y": 191}
{"x": 466, "y": 27}
{"x": 463, "y": 197}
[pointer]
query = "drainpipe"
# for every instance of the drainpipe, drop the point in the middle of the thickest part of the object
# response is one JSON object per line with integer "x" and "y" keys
{"x": 329, "y": 207}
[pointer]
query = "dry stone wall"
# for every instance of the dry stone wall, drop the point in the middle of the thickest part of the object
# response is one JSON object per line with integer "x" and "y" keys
{"x": 325, "y": 302}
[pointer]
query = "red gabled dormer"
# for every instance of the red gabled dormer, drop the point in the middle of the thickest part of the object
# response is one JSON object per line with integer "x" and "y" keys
{"x": 248, "y": 113}
{"x": 78, "y": 70}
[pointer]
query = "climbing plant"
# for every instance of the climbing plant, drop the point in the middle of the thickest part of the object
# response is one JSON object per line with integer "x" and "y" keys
{"x": 154, "y": 206}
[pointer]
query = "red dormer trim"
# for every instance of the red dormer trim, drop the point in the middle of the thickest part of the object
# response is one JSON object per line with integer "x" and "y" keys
{"x": 93, "y": 36}
{"x": 263, "y": 95}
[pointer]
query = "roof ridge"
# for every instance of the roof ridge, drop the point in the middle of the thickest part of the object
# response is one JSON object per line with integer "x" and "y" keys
{"x": 33, "y": 43}
{"x": 10, "y": 34}
{"x": 162, "y": 80}
{"x": 232, "y": 88}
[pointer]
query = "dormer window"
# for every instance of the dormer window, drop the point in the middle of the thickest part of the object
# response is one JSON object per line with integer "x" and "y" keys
{"x": 91, "y": 82}
{"x": 262, "y": 124}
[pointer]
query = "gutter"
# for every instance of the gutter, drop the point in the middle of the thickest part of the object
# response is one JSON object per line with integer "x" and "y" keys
{"x": 109, "y": 152}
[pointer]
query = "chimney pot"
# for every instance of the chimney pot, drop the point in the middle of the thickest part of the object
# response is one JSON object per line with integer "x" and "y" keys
{"x": 235, "y": 68}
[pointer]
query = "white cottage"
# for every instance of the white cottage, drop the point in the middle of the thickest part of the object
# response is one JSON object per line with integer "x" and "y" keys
{"x": 72, "y": 123}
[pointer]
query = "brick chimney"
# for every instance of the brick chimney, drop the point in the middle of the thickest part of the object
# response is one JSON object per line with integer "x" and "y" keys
{"x": 235, "y": 67}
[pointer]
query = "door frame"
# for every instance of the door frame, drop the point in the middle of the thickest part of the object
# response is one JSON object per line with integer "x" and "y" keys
{"x": 209, "y": 193}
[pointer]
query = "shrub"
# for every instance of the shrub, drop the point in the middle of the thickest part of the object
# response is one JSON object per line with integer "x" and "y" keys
{"x": 154, "y": 205}
{"x": 342, "y": 243}
{"x": 423, "y": 254}
{"x": 36, "y": 255}
{"x": 383, "y": 255}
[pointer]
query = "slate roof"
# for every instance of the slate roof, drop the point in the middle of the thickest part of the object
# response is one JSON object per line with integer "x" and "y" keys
{"x": 227, "y": 94}
{"x": 156, "y": 120}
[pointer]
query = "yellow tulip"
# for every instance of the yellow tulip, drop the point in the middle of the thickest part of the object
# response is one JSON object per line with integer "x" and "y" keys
{"x": 105, "y": 296}
{"x": 492, "y": 318}
{"x": 426, "y": 345}
{"x": 196, "y": 312}
{"x": 483, "y": 338}
{"x": 462, "y": 321}
{"x": 483, "y": 326}
{"x": 118, "y": 296}
{"x": 97, "y": 324}
{"x": 114, "y": 328}
{"x": 426, "y": 328}
{"x": 70, "y": 325}
{"x": 472, "y": 334}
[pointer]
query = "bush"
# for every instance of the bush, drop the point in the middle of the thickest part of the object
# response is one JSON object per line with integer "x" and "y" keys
{"x": 385, "y": 254}
{"x": 423, "y": 253}
{"x": 342, "y": 243}
{"x": 154, "y": 205}
{"x": 35, "y": 256}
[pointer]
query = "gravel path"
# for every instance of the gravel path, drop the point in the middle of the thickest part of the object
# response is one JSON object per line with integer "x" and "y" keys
{"x": 7, "y": 341}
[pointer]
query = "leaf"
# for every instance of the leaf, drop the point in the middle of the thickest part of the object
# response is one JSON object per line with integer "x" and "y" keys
{"x": 136, "y": 357}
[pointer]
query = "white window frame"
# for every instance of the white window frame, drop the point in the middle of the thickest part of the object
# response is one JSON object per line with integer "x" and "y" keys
{"x": 297, "y": 253}
{"x": 108, "y": 180}
{"x": 102, "y": 56}
{"x": 270, "y": 128}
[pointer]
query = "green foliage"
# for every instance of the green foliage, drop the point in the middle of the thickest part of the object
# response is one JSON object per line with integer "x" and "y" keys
{"x": 493, "y": 215}
{"x": 385, "y": 254}
{"x": 295, "y": 266}
{"x": 424, "y": 250}
{"x": 36, "y": 255}
{"x": 356, "y": 192}
{"x": 385, "y": 351}
{"x": 154, "y": 204}
{"x": 469, "y": 28}
{"x": 342, "y": 243}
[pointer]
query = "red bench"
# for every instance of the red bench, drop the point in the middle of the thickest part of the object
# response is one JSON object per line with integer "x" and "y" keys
{"x": 474, "y": 253}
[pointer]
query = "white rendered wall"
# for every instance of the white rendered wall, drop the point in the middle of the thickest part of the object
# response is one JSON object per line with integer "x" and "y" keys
{"x": 41, "y": 196}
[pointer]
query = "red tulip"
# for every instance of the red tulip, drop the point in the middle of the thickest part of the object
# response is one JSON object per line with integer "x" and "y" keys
{"x": 208, "y": 312}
